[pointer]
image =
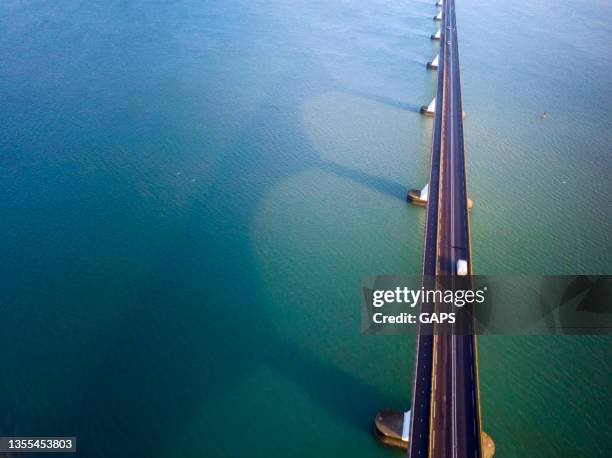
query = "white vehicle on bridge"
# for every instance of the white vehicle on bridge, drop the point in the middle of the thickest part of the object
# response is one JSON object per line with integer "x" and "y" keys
{"x": 462, "y": 267}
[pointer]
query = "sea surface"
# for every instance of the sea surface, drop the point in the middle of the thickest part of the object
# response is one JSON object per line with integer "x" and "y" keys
{"x": 191, "y": 191}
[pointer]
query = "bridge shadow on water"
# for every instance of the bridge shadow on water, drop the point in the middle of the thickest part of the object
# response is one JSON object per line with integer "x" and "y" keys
{"x": 388, "y": 101}
{"x": 379, "y": 184}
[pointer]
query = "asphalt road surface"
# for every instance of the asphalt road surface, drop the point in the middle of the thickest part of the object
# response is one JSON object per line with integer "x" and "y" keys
{"x": 445, "y": 419}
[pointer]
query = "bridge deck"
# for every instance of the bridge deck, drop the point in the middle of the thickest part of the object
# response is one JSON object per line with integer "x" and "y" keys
{"x": 445, "y": 403}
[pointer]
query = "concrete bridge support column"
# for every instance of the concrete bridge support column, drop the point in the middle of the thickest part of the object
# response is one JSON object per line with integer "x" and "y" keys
{"x": 434, "y": 63}
{"x": 429, "y": 110}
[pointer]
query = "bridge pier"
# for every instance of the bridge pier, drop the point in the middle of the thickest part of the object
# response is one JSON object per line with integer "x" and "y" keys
{"x": 392, "y": 428}
{"x": 436, "y": 36}
{"x": 438, "y": 17}
{"x": 429, "y": 110}
{"x": 419, "y": 197}
{"x": 434, "y": 63}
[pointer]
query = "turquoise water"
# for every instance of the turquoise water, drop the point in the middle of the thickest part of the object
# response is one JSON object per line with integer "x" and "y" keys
{"x": 192, "y": 191}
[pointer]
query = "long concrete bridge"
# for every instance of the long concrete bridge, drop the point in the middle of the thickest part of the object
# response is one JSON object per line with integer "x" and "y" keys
{"x": 445, "y": 419}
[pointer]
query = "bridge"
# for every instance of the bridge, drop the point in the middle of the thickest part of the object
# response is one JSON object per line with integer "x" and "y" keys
{"x": 445, "y": 419}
